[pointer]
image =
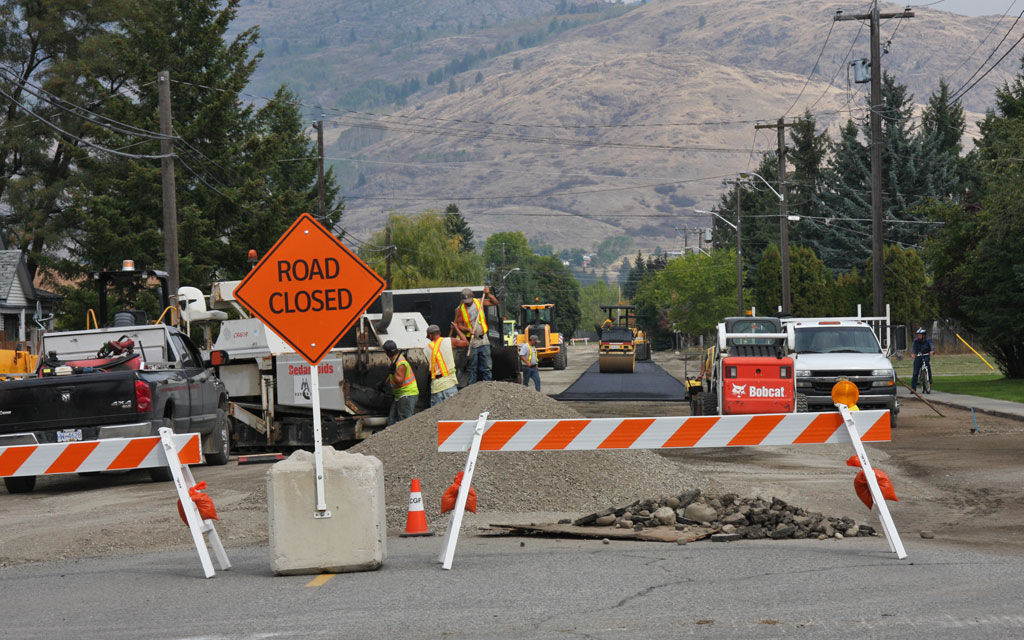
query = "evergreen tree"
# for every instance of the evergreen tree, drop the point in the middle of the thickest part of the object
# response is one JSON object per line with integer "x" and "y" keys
{"x": 636, "y": 276}
{"x": 459, "y": 228}
{"x": 768, "y": 285}
{"x": 805, "y": 187}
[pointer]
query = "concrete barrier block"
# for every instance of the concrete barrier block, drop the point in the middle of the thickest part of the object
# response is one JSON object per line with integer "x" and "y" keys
{"x": 354, "y": 538}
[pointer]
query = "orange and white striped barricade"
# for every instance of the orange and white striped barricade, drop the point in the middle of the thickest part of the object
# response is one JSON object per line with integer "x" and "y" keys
{"x": 173, "y": 450}
{"x": 665, "y": 433}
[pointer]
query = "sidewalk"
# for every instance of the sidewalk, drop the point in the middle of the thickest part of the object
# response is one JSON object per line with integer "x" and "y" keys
{"x": 1001, "y": 408}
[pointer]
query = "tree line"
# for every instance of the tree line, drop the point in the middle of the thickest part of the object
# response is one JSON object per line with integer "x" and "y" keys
{"x": 80, "y": 186}
{"x": 953, "y": 223}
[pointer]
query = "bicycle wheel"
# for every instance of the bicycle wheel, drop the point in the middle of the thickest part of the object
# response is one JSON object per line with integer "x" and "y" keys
{"x": 926, "y": 379}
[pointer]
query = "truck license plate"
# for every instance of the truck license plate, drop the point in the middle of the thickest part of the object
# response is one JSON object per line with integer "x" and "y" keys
{"x": 69, "y": 435}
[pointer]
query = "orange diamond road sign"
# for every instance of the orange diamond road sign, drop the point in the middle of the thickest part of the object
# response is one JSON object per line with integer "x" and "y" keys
{"x": 309, "y": 288}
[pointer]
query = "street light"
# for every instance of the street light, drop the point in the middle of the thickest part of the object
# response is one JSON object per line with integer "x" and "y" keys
{"x": 739, "y": 247}
{"x": 783, "y": 233}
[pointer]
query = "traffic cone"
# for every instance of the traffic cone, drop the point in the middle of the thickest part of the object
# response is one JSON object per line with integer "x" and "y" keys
{"x": 416, "y": 523}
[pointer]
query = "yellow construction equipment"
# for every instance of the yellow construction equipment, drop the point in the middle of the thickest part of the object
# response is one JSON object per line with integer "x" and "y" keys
{"x": 538, "y": 320}
{"x": 16, "y": 363}
{"x": 617, "y": 354}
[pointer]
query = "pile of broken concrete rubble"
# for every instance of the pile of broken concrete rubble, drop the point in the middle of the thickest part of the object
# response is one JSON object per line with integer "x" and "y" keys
{"x": 750, "y": 518}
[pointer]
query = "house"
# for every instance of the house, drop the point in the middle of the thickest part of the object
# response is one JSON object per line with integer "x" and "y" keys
{"x": 22, "y": 307}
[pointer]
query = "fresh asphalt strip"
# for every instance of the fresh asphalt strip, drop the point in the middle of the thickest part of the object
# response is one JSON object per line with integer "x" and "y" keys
{"x": 648, "y": 382}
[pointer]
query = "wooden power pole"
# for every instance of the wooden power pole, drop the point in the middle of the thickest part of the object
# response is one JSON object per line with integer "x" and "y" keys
{"x": 783, "y": 208}
{"x": 170, "y": 206}
{"x": 739, "y": 253}
{"x": 320, "y": 209}
{"x": 387, "y": 256}
{"x": 877, "y": 249}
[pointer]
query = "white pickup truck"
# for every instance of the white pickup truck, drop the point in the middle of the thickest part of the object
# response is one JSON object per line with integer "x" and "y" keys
{"x": 830, "y": 348}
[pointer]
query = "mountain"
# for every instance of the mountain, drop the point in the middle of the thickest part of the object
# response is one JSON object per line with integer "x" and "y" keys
{"x": 578, "y": 122}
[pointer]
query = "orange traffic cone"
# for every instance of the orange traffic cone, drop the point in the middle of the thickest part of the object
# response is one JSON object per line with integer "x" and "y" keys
{"x": 416, "y": 523}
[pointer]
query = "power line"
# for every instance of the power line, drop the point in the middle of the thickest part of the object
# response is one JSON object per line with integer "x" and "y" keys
{"x": 978, "y": 46}
{"x": 77, "y": 139}
{"x": 954, "y": 95}
{"x": 450, "y": 198}
{"x": 79, "y": 111}
{"x": 814, "y": 68}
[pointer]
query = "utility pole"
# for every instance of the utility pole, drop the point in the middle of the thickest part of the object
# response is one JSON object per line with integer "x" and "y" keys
{"x": 170, "y": 206}
{"x": 877, "y": 249}
{"x": 387, "y": 259}
{"x": 321, "y": 213}
{"x": 739, "y": 253}
{"x": 783, "y": 204}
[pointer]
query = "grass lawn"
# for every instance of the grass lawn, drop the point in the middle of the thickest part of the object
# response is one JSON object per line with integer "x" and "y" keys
{"x": 961, "y": 364}
{"x": 988, "y": 386}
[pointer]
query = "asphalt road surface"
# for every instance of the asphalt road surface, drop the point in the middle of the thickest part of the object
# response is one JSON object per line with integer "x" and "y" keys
{"x": 534, "y": 588}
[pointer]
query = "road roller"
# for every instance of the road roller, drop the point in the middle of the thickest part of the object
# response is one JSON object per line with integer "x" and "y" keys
{"x": 616, "y": 353}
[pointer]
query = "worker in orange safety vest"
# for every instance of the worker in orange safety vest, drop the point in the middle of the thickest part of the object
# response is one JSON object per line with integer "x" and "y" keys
{"x": 403, "y": 384}
{"x": 471, "y": 319}
{"x": 443, "y": 377}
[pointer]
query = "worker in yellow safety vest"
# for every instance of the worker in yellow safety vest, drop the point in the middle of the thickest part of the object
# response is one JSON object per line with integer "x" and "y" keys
{"x": 471, "y": 319}
{"x": 403, "y": 384}
{"x": 444, "y": 379}
{"x": 528, "y": 362}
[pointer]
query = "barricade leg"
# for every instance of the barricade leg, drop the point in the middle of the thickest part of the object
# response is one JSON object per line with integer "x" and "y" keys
{"x": 183, "y": 481}
{"x": 888, "y": 526}
{"x": 451, "y": 536}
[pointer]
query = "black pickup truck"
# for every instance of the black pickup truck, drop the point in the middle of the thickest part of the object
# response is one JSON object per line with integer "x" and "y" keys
{"x": 116, "y": 383}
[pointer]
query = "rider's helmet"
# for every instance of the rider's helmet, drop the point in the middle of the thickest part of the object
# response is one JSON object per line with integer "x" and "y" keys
{"x": 921, "y": 331}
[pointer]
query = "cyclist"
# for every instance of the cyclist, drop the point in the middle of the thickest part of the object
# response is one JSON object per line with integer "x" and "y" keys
{"x": 922, "y": 349}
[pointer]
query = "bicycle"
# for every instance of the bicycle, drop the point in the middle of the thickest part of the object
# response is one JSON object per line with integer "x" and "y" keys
{"x": 925, "y": 374}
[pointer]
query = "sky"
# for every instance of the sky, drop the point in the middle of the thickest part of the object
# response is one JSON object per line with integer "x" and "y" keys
{"x": 973, "y": 7}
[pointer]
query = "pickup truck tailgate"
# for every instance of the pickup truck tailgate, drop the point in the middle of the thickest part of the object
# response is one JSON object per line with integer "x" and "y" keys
{"x": 67, "y": 402}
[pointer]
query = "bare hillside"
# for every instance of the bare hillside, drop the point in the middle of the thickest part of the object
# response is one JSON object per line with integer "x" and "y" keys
{"x": 622, "y": 126}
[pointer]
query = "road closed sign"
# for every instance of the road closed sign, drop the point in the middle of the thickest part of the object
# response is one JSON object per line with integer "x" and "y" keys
{"x": 309, "y": 288}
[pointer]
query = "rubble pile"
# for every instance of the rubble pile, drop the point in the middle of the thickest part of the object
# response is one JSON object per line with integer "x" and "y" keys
{"x": 514, "y": 482}
{"x": 750, "y": 518}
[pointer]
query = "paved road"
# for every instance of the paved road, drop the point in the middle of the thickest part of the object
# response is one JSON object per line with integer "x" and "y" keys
{"x": 544, "y": 589}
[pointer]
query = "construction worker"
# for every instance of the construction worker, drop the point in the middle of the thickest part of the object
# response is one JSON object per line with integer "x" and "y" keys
{"x": 403, "y": 384}
{"x": 443, "y": 377}
{"x": 472, "y": 321}
{"x": 528, "y": 362}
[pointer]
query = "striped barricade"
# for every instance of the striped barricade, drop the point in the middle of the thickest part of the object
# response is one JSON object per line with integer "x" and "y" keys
{"x": 786, "y": 429}
{"x": 173, "y": 450}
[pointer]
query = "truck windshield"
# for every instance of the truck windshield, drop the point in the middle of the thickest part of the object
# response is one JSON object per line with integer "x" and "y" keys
{"x": 836, "y": 340}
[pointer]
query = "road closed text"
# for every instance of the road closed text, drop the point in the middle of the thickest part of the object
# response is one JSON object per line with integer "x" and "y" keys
{"x": 315, "y": 300}
{"x": 300, "y": 270}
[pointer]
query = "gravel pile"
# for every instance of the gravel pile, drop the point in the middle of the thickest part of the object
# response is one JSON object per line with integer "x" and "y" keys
{"x": 514, "y": 482}
{"x": 751, "y": 518}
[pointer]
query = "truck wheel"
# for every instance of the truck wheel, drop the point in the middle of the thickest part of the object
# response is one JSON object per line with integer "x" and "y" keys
{"x": 801, "y": 403}
{"x": 21, "y": 484}
{"x": 561, "y": 359}
{"x": 220, "y": 437}
{"x": 162, "y": 474}
{"x": 892, "y": 419}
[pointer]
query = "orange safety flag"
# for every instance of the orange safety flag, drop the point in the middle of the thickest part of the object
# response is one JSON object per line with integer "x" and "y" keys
{"x": 860, "y": 484}
{"x": 204, "y": 503}
{"x": 452, "y": 494}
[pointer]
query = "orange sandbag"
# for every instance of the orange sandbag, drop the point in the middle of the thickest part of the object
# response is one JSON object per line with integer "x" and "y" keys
{"x": 452, "y": 494}
{"x": 203, "y": 502}
{"x": 860, "y": 484}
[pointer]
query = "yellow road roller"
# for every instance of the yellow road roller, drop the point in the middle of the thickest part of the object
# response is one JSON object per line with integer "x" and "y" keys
{"x": 616, "y": 353}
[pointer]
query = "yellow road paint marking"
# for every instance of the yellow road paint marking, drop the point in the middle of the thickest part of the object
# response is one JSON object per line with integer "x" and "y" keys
{"x": 321, "y": 580}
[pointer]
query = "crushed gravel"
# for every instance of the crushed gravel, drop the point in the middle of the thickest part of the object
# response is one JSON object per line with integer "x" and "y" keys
{"x": 514, "y": 482}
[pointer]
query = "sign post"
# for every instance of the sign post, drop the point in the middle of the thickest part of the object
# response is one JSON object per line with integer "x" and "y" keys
{"x": 310, "y": 289}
